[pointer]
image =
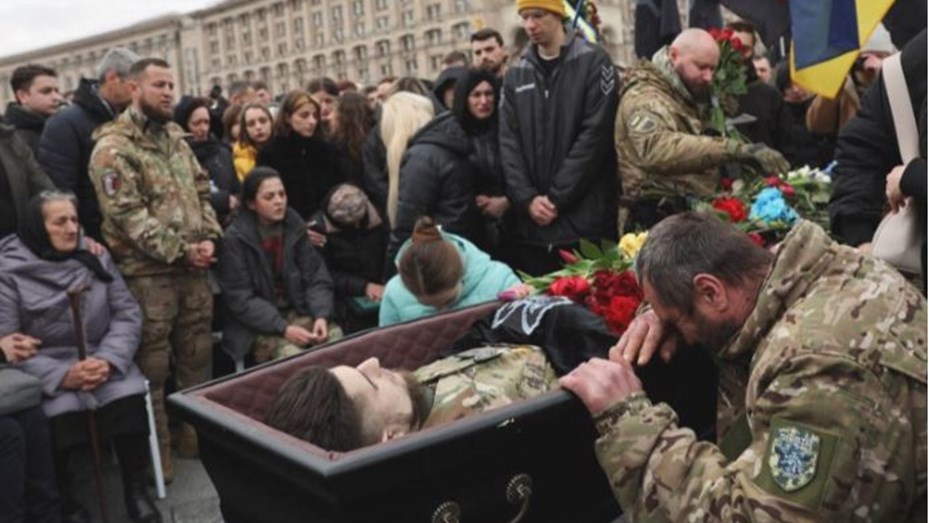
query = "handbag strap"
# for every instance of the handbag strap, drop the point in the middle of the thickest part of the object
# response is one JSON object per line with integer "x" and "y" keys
{"x": 901, "y": 108}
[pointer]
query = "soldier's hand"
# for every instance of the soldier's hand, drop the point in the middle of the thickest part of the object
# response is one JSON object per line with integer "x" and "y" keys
{"x": 19, "y": 347}
{"x": 601, "y": 383}
{"x": 769, "y": 160}
{"x": 646, "y": 335}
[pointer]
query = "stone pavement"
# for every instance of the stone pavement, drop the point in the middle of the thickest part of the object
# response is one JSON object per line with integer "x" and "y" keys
{"x": 191, "y": 498}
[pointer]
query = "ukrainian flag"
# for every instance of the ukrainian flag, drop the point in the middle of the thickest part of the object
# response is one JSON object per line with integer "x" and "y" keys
{"x": 827, "y": 38}
{"x": 580, "y": 23}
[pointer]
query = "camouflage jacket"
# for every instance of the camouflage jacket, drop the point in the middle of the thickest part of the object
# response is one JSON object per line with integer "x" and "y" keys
{"x": 659, "y": 138}
{"x": 484, "y": 378}
{"x": 153, "y": 194}
{"x": 835, "y": 403}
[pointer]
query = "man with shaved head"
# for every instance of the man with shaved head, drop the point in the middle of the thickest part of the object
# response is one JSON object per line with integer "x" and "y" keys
{"x": 664, "y": 156}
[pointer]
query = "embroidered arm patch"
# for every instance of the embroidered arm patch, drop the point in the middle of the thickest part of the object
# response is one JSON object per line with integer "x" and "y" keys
{"x": 797, "y": 463}
{"x": 643, "y": 122}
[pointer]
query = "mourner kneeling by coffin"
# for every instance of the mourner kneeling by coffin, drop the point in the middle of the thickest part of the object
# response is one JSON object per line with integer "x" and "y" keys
{"x": 515, "y": 353}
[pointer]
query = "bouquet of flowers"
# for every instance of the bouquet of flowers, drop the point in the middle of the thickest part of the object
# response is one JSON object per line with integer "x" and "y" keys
{"x": 599, "y": 277}
{"x": 767, "y": 208}
{"x": 728, "y": 80}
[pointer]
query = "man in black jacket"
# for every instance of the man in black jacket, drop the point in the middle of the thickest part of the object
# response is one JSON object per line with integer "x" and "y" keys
{"x": 36, "y": 90}
{"x": 556, "y": 140}
{"x": 65, "y": 145}
{"x": 869, "y": 159}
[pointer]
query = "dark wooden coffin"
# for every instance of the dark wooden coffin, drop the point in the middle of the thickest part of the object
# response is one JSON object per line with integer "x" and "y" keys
{"x": 464, "y": 468}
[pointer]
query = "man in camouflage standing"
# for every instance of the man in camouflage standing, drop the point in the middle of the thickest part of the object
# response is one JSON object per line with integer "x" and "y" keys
{"x": 664, "y": 157}
{"x": 831, "y": 345}
{"x": 157, "y": 219}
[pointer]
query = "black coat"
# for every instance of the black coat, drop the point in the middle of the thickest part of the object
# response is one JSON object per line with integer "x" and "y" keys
{"x": 867, "y": 151}
{"x": 763, "y": 101}
{"x": 798, "y": 144}
{"x": 248, "y": 284}
{"x": 309, "y": 168}
{"x": 437, "y": 180}
{"x": 28, "y": 125}
{"x": 374, "y": 179}
{"x": 556, "y": 139}
{"x": 65, "y": 147}
{"x": 216, "y": 157}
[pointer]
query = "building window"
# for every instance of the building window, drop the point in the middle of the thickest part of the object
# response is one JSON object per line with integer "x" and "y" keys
{"x": 462, "y": 31}
{"x": 338, "y": 57}
{"x": 433, "y": 11}
{"x": 462, "y": 6}
{"x": 319, "y": 61}
{"x": 230, "y": 43}
{"x": 298, "y": 25}
{"x": 215, "y": 63}
{"x": 261, "y": 14}
{"x": 263, "y": 33}
{"x": 265, "y": 53}
{"x": 299, "y": 44}
{"x": 386, "y": 70}
{"x": 358, "y": 8}
{"x": 231, "y": 60}
{"x": 278, "y": 10}
{"x": 382, "y": 23}
{"x": 249, "y": 57}
{"x": 380, "y": 4}
{"x": 434, "y": 37}
{"x": 320, "y": 39}
{"x": 407, "y": 18}
{"x": 211, "y": 29}
{"x": 282, "y": 49}
{"x": 337, "y": 14}
{"x": 280, "y": 29}
{"x": 408, "y": 42}
{"x": 435, "y": 62}
{"x": 383, "y": 48}
{"x": 337, "y": 35}
{"x": 214, "y": 48}
{"x": 361, "y": 53}
{"x": 411, "y": 66}
{"x": 317, "y": 19}
{"x": 360, "y": 29}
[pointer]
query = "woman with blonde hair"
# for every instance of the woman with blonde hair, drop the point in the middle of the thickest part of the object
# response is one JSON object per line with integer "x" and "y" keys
{"x": 402, "y": 115}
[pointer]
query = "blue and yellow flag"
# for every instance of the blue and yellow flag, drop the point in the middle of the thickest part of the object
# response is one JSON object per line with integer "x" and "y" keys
{"x": 827, "y": 38}
{"x": 576, "y": 13}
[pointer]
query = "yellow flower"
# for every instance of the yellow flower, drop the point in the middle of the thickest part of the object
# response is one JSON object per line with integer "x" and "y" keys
{"x": 631, "y": 243}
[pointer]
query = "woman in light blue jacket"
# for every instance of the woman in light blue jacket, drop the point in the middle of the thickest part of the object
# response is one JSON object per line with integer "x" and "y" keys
{"x": 439, "y": 271}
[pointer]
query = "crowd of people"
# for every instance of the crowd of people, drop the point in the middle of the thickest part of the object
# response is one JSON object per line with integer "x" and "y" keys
{"x": 284, "y": 220}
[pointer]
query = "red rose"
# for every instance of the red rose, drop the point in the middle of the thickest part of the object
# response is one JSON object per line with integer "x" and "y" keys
{"x": 755, "y": 237}
{"x": 773, "y": 181}
{"x": 733, "y": 207}
{"x": 567, "y": 256}
{"x": 725, "y": 183}
{"x": 787, "y": 189}
{"x": 628, "y": 285}
{"x": 620, "y": 313}
{"x": 736, "y": 44}
{"x": 574, "y": 287}
{"x": 715, "y": 33}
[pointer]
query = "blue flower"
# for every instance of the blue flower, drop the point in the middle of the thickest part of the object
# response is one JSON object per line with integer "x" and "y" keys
{"x": 771, "y": 208}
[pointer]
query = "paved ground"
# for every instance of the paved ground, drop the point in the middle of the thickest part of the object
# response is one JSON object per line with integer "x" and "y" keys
{"x": 191, "y": 498}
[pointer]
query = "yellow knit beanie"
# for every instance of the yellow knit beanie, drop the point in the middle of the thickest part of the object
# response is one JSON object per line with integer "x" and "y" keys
{"x": 555, "y": 6}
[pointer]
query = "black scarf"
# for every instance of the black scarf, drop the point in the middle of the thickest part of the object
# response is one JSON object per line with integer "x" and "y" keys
{"x": 33, "y": 234}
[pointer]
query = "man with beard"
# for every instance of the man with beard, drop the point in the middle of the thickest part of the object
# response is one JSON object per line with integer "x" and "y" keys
{"x": 161, "y": 228}
{"x": 344, "y": 408}
{"x": 664, "y": 157}
{"x": 822, "y": 359}
{"x": 488, "y": 51}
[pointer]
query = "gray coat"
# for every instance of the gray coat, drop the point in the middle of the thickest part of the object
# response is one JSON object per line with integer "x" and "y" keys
{"x": 248, "y": 286}
{"x": 34, "y": 301}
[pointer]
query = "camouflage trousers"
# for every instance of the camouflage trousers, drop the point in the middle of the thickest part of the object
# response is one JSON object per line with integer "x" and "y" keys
{"x": 177, "y": 311}
{"x": 268, "y": 347}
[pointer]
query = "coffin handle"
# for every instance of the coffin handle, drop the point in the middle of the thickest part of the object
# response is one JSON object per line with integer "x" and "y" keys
{"x": 519, "y": 491}
{"x": 448, "y": 512}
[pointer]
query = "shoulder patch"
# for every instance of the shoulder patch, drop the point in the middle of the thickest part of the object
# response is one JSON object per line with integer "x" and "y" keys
{"x": 643, "y": 122}
{"x": 111, "y": 183}
{"x": 792, "y": 457}
{"x": 798, "y": 462}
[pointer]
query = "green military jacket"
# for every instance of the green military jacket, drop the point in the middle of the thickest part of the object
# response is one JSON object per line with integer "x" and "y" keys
{"x": 835, "y": 405}
{"x": 659, "y": 138}
{"x": 153, "y": 194}
{"x": 485, "y": 378}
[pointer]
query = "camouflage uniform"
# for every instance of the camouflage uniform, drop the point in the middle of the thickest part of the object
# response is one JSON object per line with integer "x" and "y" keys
{"x": 154, "y": 197}
{"x": 485, "y": 378}
{"x": 835, "y": 405}
{"x": 267, "y": 347}
{"x": 659, "y": 128}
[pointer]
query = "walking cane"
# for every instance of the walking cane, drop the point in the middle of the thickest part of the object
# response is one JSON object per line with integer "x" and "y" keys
{"x": 74, "y": 297}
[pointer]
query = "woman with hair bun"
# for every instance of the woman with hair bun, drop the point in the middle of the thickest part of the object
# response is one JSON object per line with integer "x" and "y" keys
{"x": 439, "y": 271}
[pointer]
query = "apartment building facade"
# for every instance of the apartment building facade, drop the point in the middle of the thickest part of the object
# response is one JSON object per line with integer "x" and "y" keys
{"x": 287, "y": 42}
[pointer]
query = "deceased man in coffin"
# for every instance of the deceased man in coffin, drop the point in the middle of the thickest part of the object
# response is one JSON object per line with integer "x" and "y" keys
{"x": 515, "y": 353}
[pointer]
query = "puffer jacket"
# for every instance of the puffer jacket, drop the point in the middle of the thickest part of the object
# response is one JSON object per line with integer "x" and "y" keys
{"x": 28, "y": 125}
{"x": 483, "y": 280}
{"x": 437, "y": 180}
{"x": 556, "y": 140}
{"x": 34, "y": 301}
{"x": 247, "y": 282}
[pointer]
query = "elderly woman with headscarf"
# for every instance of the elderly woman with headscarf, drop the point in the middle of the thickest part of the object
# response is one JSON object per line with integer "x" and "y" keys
{"x": 38, "y": 267}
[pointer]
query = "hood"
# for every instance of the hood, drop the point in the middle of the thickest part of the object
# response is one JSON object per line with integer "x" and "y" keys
{"x": 20, "y": 118}
{"x": 16, "y": 258}
{"x": 88, "y": 97}
{"x": 445, "y": 80}
{"x": 444, "y": 131}
{"x": 658, "y": 73}
{"x": 205, "y": 149}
